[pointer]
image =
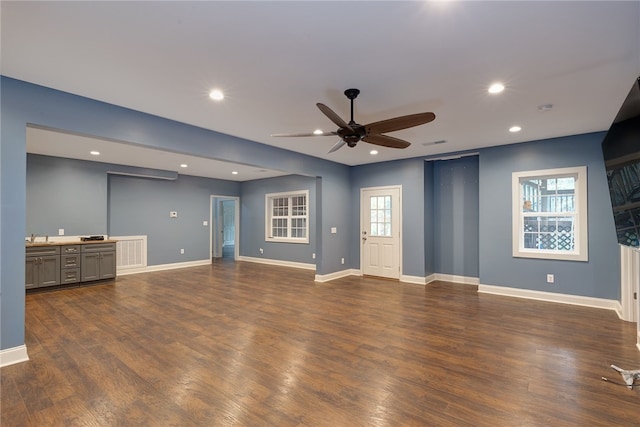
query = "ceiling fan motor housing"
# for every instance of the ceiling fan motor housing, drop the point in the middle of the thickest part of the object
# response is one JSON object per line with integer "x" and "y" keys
{"x": 352, "y": 136}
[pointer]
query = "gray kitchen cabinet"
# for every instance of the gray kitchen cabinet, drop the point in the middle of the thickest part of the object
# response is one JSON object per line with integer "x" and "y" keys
{"x": 70, "y": 264}
{"x": 98, "y": 261}
{"x": 42, "y": 266}
{"x": 55, "y": 264}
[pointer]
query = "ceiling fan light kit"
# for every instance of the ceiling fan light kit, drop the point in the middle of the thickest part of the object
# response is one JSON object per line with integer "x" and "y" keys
{"x": 351, "y": 133}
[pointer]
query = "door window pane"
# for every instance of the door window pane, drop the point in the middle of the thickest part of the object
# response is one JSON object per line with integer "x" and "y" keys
{"x": 380, "y": 216}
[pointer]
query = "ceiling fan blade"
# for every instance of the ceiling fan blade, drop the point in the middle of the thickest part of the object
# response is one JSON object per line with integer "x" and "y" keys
{"x": 333, "y": 116}
{"x": 304, "y": 134}
{"x": 386, "y": 141}
{"x": 397, "y": 123}
{"x": 337, "y": 146}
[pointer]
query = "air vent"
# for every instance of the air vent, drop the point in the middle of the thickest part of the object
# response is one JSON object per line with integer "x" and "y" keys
{"x": 442, "y": 141}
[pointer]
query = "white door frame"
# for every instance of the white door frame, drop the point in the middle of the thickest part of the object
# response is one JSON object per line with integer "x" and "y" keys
{"x": 399, "y": 219}
{"x": 213, "y": 222}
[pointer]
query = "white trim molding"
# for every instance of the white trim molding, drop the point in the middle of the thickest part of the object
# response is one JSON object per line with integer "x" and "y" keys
{"x": 580, "y": 228}
{"x": 629, "y": 282}
{"x": 465, "y": 280}
{"x": 607, "y": 304}
{"x": 336, "y": 275}
{"x": 416, "y": 280}
{"x": 279, "y": 262}
{"x": 13, "y": 355}
{"x": 162, "y": 267}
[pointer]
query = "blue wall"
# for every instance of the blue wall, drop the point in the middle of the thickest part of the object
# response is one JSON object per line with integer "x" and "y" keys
{"x": 141, "y": 206}
{"x": 429, "y": 219}
{"x": 66, "y": 193}
{"x": 600, "y": 277}
{"x": 455, "y": 210}
{"x": 252, "y": 219}
{"x": 82, "y": 198}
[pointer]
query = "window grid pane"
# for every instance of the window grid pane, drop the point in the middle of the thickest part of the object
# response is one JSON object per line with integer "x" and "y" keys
{"x": 288, "y": 219}
{"x": 545, "y": 197}
{"x": 380, "y": 216}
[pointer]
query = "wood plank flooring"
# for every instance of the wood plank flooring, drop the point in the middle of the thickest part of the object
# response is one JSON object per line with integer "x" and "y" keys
{"x": 241, "y": 344}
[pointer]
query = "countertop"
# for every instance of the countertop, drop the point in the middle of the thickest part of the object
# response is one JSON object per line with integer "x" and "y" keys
{"x": 77, "y": 242}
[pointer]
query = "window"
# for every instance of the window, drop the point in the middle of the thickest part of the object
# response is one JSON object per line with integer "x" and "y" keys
{"x": 550, "y": 214}
{"x": 286, "y": 217}
{"x": 380, "y": 211}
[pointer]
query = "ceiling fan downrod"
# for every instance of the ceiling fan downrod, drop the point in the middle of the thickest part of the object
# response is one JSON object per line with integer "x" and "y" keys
{"x": 352, "y": 94}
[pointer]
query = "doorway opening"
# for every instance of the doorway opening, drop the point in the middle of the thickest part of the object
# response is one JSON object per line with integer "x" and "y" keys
{"x": 225, "y": 227}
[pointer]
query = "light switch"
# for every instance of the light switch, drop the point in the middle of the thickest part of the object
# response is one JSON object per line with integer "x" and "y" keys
{"x": 334, "y": 230}
{"x": 60, "y": 231}
{"x": 205, "y": 223}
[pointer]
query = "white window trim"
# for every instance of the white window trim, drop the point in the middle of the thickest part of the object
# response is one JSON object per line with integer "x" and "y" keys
{"x": 267, "y": 217}
{"x": 581, "y": 238}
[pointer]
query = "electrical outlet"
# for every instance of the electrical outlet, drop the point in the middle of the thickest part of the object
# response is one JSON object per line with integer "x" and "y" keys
{"x": 60, "y": 231}
{"x": 342, "y": 260}
{"x": 550, "y": 278}
{"x": 313, "y": 255}
{"x": 182, "y": 251}
{"x": 261, "y": 250}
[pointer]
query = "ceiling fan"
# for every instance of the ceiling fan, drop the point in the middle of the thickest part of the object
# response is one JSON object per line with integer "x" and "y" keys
{"x": 351, "y": 133}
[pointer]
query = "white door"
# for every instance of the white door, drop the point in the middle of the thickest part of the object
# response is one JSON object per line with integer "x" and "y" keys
{"x": 380, "y": 231}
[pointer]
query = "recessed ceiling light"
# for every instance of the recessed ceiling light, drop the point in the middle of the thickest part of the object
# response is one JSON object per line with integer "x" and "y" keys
{"x": 94, "y": 153}
{"x": 496, "y": 88}
{"x": 515, "y": 129}
{"x": 184, "y": 165}
{"x": 216, "y": 95}
{"x": 373, "y": 152}
{"x": 318, "y": 132}
{"x": 545, "y": 107}
{"x": 234, "y": 173}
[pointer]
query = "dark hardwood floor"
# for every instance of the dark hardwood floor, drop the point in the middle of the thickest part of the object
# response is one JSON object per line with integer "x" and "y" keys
{"x": 252, "y": 345}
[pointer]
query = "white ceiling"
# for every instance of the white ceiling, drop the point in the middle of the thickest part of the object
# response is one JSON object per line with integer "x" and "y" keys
{"x": 276, "y": 60}
{"x": 50, "y": 142}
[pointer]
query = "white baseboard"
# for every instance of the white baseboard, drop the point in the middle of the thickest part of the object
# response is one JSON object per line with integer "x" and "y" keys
{"x": 337, "y": 275}
{"x": 161, "y": 267}
{"x": 465, "y": 280}
{"x": 278, "y": 262}
{"x": 552, "y": 297}
{"x": 13, "y": 355}
{"x": 416, "y": 280}
{"x": 638, "y": 344}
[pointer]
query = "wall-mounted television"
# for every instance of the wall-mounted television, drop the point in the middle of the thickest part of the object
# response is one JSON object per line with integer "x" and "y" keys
{"x": 621, "y": 151}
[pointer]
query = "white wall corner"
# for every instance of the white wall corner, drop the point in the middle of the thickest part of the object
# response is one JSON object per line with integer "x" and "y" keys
{"x": 13, "y": 355}
{"x": 619, "y": 311}
{"x": 430, "y": 278}
{"x": 551, "y": 297}
{"x": 337, "y": 275}
{"x": 416, "y": 280}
